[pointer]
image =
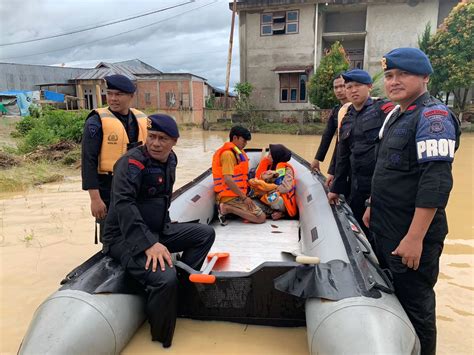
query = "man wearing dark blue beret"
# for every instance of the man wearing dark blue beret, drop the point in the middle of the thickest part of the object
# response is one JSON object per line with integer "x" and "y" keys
{"x": 355, "y": 158}
{"x": 108, "y": 133}
{"x": 138, "y": 232}
{"x": 411, "y": 185}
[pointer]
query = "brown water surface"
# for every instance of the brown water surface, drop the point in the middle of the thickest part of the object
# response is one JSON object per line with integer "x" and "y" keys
{"x": 47, "y": 231}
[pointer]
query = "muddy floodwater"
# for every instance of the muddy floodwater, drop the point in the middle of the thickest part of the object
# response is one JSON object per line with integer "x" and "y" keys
{"x": 47, "y": 231}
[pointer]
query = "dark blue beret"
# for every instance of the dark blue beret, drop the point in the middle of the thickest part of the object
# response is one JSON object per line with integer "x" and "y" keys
{"x": 163, "y": 123}
{"x": 120, "y": 83}
{"x": 357, "y": 75}
{"x": 411, "y": 60}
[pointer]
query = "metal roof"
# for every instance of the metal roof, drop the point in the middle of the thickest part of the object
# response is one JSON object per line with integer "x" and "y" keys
{"x": 127, "y": 68}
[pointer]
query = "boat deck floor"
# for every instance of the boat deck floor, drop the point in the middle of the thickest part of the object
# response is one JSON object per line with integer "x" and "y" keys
{"x": 250, "y": 245}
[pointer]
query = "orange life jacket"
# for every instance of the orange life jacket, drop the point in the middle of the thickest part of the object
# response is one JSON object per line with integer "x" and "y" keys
{"x": 340, "y": 116}
{"x": 239, "y": 176}
{"x": 289, "y": 198}
{"x": 115, "y": 138}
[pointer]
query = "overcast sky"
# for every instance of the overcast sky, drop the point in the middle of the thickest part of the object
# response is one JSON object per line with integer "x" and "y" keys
{"x": 192, "y": 38}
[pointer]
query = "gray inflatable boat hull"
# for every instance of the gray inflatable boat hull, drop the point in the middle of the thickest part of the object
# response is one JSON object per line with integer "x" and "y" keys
{"x": 77, "y": 322}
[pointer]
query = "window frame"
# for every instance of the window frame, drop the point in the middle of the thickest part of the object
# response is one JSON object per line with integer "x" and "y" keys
{"x": 286, "y": 85}
{"x": 281, "y": 95}
{"x": 276, "y": 20}
{"x": 147, "y": 98}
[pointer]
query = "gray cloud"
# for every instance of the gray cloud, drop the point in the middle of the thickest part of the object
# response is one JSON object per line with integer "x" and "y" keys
{"x": 195, "y": 42}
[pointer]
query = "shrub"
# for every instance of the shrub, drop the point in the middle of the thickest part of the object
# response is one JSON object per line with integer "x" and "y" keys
{"x": 320, "y": 85}
{"x": 24, "y": 126}
{"x": 50, "y": 127}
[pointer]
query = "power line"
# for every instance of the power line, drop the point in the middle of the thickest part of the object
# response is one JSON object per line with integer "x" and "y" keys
{"x": 97, "y": 26}
{"x": 113, "y": 36}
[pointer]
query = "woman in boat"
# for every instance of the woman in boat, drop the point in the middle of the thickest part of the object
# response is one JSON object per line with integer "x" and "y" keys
{"x": 276, "y": 162}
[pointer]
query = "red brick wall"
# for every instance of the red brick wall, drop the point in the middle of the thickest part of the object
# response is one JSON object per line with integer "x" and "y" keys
{"x": 176, "y": 87}
{"x": 147, "y": 87}
{"x": 198, "y": 101}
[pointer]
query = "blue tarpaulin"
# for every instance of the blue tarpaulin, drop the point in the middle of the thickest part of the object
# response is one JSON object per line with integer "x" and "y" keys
{"x": 53, "y": 96}
{"x": 23, "y": 100}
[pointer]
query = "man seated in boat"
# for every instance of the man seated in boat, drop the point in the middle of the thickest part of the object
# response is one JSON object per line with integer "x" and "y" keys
{"x": 230, "y": 168}
{"x": 138, "y": 232}
{"x": 279, "y": 200}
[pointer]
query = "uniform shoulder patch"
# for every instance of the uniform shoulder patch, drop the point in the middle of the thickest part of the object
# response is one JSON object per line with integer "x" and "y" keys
{"x": 136, "y": 163}
{"x": 387, "y": 107}
{"x": 135, "y": 168}
{"x": 435, "y": 135}
{"x": 93, "y": 129}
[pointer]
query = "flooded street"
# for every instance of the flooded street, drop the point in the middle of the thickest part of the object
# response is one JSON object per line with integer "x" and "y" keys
{"x": 46, "y": 232}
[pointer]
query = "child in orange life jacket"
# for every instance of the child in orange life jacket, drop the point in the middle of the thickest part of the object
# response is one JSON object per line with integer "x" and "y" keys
{"x": 265, "y": 189}
{"x": 275, "y": 182}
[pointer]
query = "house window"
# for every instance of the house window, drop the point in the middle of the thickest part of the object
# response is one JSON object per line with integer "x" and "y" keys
{"x": 293, "y": 87}
{"x": 294, "y": 95}
{"x": 303, "y": 79}
{"x": 170, "y": 99}
{"x": 279, "y": 23}
{"x": 147, "y": 98}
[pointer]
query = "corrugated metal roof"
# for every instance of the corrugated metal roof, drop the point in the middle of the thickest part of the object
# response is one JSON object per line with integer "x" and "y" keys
{"x": 136, "y": 66}
{"x": 127, "y": 68}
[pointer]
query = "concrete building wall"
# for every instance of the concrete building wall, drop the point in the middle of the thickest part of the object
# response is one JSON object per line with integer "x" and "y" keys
{"x": 259, "y": 55}
{"x": 353, "y": 21}
{"x": 368, "y": 28}
{"x": 395, "y": 25}
{"x": 445, "y": 7}
{"x": 26, "y": 77}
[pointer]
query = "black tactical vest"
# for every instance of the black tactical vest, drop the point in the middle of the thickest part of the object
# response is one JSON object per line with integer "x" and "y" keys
{"x": 397, "y": 173}
{"x": 362, "y": 131}
{"x": 155, "y": 193}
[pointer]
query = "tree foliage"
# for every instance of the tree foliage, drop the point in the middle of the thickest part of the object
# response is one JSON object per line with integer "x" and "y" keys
{"x": 424, "y": 39}
{"x": 243, "y": 90}
{"x": 320, "y": 85}
{"x": 451, "y": 54}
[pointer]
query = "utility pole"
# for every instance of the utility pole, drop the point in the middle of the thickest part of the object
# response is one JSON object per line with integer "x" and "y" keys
{"x": 229, "y": 57}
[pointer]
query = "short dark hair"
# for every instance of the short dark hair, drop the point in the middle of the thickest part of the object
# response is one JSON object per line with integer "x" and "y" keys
{"x": 240, "y": 131}
{"x": 338, "y": 75}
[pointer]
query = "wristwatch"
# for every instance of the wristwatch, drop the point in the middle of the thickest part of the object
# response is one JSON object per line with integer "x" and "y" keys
{"x": 367, "y": 203}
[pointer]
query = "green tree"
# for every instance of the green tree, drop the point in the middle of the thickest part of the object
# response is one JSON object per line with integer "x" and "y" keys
{"x": 243, "y": 90}
{"x": 451, "y": 53}
{"x": 377, "y": 85}
{"x": 244, "y": 106}
{"x": 424, "y": 39}
{"x": 320, "y": 90}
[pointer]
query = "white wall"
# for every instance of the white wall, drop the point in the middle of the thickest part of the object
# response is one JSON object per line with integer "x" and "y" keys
{"x": 395, "y": 25}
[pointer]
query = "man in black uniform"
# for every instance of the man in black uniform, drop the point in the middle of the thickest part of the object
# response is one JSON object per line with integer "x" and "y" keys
{"x": 108, "y": 133}
{"x": 138, "y": 232}
{"x": 356, "y": 147}
{"x": 410, "y": 188}
{"x": 331, "y": 128}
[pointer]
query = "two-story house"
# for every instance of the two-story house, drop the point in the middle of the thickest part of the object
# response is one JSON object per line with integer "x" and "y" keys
{"x": 282, "y": 41}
